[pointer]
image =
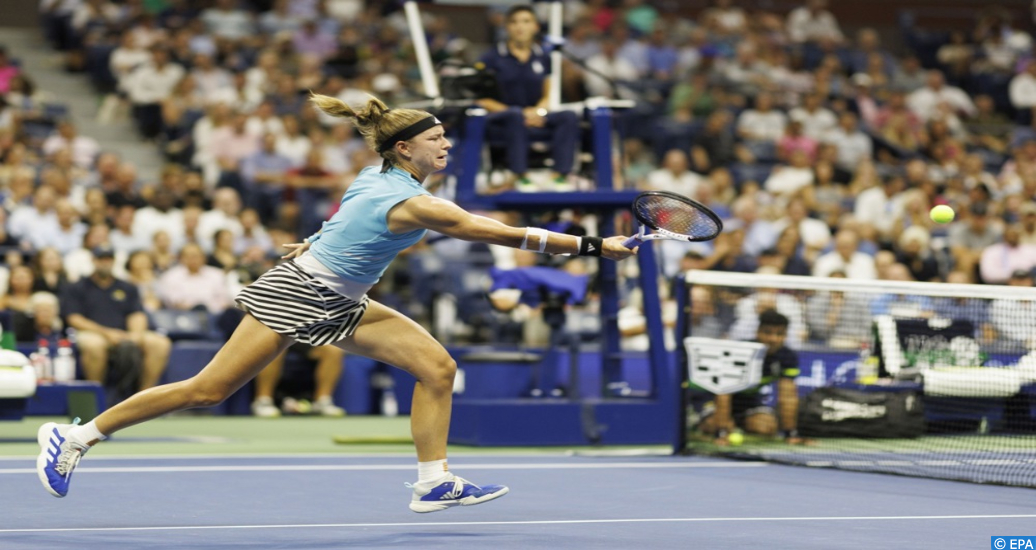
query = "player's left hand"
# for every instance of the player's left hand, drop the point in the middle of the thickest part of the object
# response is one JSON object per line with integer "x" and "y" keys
{"x": 296, "y": 250}
{"x": 615, "y": 250}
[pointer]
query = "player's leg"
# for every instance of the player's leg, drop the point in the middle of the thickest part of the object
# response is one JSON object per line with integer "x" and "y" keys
{"x": 250, "y": 348}
{"x": 265, "y": 386}
{"x": 386, "y": 335}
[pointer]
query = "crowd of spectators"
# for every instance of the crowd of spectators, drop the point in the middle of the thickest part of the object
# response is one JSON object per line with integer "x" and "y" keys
{"x": 823, "y": 150}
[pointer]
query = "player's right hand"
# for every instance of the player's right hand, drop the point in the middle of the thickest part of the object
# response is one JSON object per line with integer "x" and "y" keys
{"x": 615, "y": 250}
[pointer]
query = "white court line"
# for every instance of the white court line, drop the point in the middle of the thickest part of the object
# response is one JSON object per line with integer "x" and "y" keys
{"x": 533, "y": 522}
{"x": 372, "y": 467}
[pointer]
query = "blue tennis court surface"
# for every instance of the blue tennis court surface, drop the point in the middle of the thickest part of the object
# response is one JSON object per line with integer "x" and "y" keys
{"x": 556, "y": 501}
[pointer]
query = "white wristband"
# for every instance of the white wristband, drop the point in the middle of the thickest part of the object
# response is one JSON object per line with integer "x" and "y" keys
{"x": 541, "y": 233}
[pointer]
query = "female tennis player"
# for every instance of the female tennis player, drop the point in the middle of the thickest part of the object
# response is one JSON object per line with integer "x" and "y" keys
{"x": 319, "y": 297}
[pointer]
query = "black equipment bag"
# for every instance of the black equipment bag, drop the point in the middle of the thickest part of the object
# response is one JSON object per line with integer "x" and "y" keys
{"x": 838, "y": 412}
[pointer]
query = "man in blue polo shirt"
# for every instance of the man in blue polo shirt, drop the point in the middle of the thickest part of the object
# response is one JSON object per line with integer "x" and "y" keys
{"x": 522, "y": 70}
{"x": 107, "y": 312}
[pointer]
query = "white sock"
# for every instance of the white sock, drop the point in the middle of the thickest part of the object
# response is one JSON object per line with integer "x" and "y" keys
{"x": 431, "y": 472}
{"x": 86, "y": 435}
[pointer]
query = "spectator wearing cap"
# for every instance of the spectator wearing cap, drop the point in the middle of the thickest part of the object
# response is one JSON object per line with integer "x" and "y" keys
{"x": 106, "y": 312}
{"x": 1000, "y": 260}
{"x": 1013, "y": 319}
{"x": 846, "y": 257}
{"x": 968, "y": 237}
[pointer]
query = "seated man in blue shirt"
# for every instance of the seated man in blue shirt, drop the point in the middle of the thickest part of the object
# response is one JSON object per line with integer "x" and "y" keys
{"x": 522, "y": 70}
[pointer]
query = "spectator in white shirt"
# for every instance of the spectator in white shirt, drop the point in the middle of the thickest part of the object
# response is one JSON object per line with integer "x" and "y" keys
{"x": 64, "y": 236}
{"x": 813, "y": 23}
{"x": 786, "y": 181}
{"x": 925, "y": 102}
{"x": 84, "y": 149}
{"x": 608, "y": 63}
{"x": 1001, "y": 259}
{"x": 292, "y": 143}
{"x": 762, "y": 123}
{"x": 225, "y": 20}
{"x": 815, "y": 234}
{"x": 847, "y": 258}
{"x": 880, "y": 206}
{"x": 121, "y": 235}
{"x": 1023, "y": 89}
{"x": 209, "y": 77}
{"x": 853, "y": 145}
{"x": 160, "y": 215}
{"x": 816, "y": 119}
{"x": 226, "y": 205}
{"x": 26, "y": 219}
{"x": 127, "y": 57}
{"x": 674, "y": 176}
{"x": 191, "y": 284}
{"x": 149, "y": 85}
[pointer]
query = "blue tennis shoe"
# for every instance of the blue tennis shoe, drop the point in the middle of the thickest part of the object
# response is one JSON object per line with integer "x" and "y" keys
{"x": 58, "y": 457}
{"x": 452, "y": 491}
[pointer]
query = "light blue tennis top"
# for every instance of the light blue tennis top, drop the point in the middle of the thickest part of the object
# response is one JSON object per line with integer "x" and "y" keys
{"x": 356, "y": 244}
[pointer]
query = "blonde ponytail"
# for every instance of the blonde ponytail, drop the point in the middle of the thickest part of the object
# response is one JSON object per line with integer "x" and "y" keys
{"x": 374, "y": 121}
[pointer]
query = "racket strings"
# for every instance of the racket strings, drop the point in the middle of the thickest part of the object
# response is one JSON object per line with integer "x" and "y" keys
{"x": 675, "y": 216}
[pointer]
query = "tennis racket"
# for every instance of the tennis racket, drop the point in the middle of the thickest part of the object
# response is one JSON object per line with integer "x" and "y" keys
{"x": 672, "y": 216}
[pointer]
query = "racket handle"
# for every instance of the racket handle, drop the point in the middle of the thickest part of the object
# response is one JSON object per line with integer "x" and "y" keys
{"x": 632, "y": 242}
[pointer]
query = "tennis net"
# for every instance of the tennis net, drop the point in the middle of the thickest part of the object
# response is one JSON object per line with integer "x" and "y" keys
{"x": 922, "y": 379}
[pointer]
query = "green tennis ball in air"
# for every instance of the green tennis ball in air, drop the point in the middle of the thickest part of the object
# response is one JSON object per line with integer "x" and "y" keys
{"x": 735, "y": 439}
{"x": 942, "y": 214}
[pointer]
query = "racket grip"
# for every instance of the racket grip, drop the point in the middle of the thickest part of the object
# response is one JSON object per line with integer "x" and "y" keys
{"x": 632, "y": 242}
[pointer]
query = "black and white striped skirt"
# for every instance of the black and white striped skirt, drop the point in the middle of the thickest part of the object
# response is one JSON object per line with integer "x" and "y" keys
{"x": 294, "y": 303}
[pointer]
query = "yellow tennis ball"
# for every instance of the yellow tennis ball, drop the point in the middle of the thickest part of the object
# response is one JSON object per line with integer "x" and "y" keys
{"x": 942, "y": 214}
{"x": 735, "y": 439}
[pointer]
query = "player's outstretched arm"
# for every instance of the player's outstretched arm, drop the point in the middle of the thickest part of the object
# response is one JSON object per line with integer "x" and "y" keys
{"x": 426, "y": 212}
